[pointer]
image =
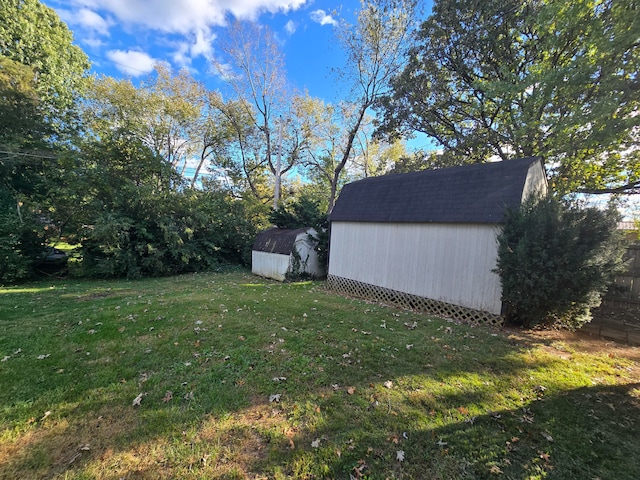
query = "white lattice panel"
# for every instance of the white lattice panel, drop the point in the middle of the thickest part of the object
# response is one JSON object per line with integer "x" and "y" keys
{"x": 412, "y": 302}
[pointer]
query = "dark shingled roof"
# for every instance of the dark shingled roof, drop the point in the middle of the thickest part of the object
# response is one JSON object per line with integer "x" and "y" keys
{"x": 469, "y": 194}
{"x": 277, "y": 240}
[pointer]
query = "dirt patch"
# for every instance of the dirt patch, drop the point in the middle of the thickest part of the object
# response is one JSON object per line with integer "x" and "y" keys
{"x": 576, "y": 341}
{"x": 626, "y": 312}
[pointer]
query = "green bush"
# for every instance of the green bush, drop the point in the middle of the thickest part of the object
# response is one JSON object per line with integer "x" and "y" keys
{"x": 556, "y": 260}
{"x": 21, "y": 240}
{"x": 165, "y": 234}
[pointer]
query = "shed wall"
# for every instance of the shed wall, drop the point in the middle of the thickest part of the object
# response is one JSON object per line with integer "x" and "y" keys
{"x": 308, "y": 255}
{"x": 270, "y": 265}
{"x": 451, "y": 263}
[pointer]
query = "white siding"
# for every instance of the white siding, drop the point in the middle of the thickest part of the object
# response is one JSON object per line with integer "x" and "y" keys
{"x": 308, "y": 255}
{"x": 452, "y": 263}
{"x": 270, "y": 265}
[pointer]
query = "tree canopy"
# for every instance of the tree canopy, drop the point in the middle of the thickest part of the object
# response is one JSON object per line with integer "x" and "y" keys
{"x": 511, "y": 78}
{"x": 32, "y": 34}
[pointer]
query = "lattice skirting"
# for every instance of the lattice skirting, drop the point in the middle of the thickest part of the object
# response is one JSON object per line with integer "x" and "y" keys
{"x": 409, "y": 301}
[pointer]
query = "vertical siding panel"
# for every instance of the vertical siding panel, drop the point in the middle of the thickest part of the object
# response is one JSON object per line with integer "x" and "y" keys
{"x": 447, "y": 262}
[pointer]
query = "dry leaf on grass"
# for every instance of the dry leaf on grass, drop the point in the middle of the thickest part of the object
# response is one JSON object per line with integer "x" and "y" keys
{"x": 400, "y": 455}
{"x": 138, "y": 400}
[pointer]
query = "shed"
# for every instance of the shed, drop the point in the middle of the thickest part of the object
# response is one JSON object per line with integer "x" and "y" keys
{"x": 278, "y": 252}
{"x": 428, "y": 239}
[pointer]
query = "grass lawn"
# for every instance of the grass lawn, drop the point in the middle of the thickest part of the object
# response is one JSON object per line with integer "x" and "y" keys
{"x": 231, "y": 376}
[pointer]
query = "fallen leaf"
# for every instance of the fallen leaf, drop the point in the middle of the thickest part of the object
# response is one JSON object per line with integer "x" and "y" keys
{"x": 316, "y": 443}
{"x": 409, "y": 346}
{"x": 351, "y": 390}
{"x": 5, "y": 358}
{"x": 495, "y": 470}
{"x": 400, "y": 455}
{"x": 388, "y": 384}
{"x": 42, "y": 357}
{"x": 167, "y": 396}
{"x": 275, "y": 397}
{"x": 137, "y": 400}
{"x": 547, "y": 436}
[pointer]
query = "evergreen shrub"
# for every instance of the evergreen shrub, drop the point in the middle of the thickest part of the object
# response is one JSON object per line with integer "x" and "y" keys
{"x": 556, "y": 260}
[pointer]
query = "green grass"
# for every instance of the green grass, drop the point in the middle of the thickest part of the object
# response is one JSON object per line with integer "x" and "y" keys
{"x": 355, "y": 384}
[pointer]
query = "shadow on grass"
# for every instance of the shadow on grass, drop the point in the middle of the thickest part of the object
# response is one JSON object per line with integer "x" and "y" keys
{"x": 588, "y": 432}
{"x": 350, "y": 399}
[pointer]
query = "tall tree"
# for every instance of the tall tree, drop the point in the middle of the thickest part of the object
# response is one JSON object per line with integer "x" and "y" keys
{"x": 165, "y": 113}
{"x": 42, "y": 75}
{"x": 528, "y": 77}
{"x": 33, "y": 35}
{"x": 256, "y": 73}
{"x": 375, "y": 48}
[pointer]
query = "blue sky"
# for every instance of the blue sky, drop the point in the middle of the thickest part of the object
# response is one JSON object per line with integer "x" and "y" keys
{"x": 124, "y": 38}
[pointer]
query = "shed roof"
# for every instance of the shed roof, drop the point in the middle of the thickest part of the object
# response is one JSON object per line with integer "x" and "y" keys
{"x": 277, "y": 240}
{"x": 469, "y": 194}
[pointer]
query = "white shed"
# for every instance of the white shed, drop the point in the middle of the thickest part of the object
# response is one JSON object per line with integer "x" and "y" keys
{"x": 278, "y": 252}
{"x": 428, "y": 239}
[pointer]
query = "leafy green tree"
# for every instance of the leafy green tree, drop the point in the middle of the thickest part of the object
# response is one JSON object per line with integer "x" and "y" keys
{"x": 519, "y": 78}
{"x": 374, "y": 47}
{"x": 556, "y": 260}
{"x": 41, "y": 77}
{"x": 33, "y": 35}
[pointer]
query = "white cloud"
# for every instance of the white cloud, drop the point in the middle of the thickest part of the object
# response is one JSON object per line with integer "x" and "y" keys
{"x": 290, "y": 27}
{"x": 203, "y": 44}
{"x": 132, "y": 62}
{"x": 322, "y": 17}
{"x": 186, "y": 16}
{"x": 192, "y": 19}
{"x": 94, "y": 42}
{"x": 87, "y": 20}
